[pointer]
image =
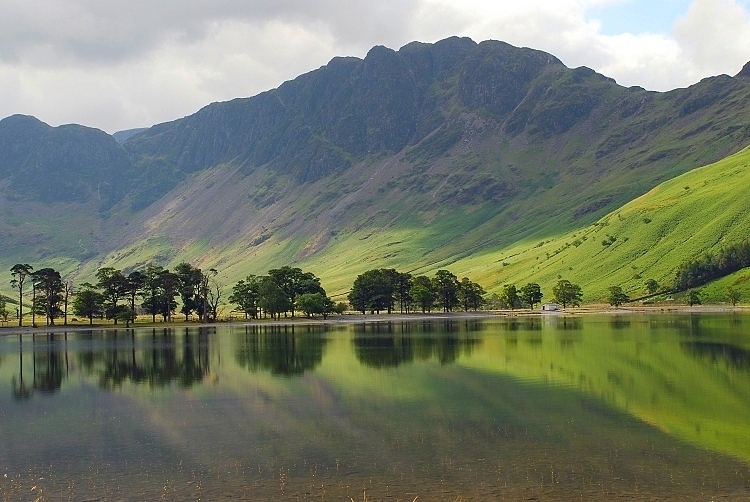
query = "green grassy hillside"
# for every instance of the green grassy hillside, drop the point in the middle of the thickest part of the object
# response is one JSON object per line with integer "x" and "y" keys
{"x": 648, "y": 238}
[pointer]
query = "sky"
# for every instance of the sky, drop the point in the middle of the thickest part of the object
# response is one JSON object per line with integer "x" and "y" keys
{"x": 121, "y": 64}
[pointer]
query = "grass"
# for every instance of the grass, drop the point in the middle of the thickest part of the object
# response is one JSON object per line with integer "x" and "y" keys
{"x": 647, "y": 238}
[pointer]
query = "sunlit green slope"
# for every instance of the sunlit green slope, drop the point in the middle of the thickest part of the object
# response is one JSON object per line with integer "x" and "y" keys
{"x": 647, "y": 238}
{"x": 698, "y": 212}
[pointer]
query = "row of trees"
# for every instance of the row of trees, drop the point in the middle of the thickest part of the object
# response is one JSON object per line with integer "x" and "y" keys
{"x": 382, "y": 289}
{"x": 51, "y": 295}
{"x": 530, "y": 295}
{"x": 282, "y": 291}
{"x": 186, "y": 289}
{"x": 115, "y": 294}
{"x": 708, "y": 267}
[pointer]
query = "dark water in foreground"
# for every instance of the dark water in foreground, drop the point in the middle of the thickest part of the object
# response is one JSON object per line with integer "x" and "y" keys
{"x": 589, "y": 408}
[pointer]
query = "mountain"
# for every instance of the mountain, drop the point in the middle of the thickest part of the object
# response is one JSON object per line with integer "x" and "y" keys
{"x": 416, "y": 159}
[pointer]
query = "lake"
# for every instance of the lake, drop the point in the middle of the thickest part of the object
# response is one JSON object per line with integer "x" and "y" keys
{"x": 637, "y": 407}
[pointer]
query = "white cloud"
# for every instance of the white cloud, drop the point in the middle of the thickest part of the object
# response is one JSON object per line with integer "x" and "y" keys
{"x": 120, "y": 64}
{"x": 715, "y": 36}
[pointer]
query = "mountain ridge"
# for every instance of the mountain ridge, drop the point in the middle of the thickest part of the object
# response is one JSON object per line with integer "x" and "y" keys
{"x": 470, "y": 146}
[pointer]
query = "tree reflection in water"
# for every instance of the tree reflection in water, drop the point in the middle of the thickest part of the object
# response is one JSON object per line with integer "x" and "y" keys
{"x": 282, "y": 350}
{"x": 116, "y": 357}
{"x": 20, "y": 391}
{"x": 49, "y": 366}
{"x": 158, "y": 364}
{"x": 388, "y": 345}
{"x": 719, "y": 353}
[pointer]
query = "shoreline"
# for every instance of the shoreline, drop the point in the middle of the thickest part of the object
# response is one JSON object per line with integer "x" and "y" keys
{"x": 345, "y": 319}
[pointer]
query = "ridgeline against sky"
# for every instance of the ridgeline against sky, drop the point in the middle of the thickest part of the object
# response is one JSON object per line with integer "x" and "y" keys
{"x": 115, "y": 67}
{"x": 407, "y": 159}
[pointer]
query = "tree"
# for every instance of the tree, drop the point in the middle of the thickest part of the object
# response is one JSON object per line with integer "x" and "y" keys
{"x": 207, "y": 295}
{"x": 341, "y": 307}
{"x": 3, "y": 309}
{"x": 215, "y": 291}
{"x": 494, "y": 302}
{"x": 446, "y": 286}
{"x": 422, "y": 292}
{"x": 699, "y": 271}
{"x": 294, "y": 282}
{"x": 617, "y": 296}
{"x": 167, "y": 282}
{"x": 694, "y": 297}
{"x": 470, "y": 294}
{"x": 733, "y": 296}
{"x": 20, "y": 271}
{"x": 531, "y": 294}
{"x": 88, "y": 302}
{"x": 373, "y": 290}
{"x": 273, "y": 299}
{"x": 315, "y": 303}
{"x": 67, "y": 293}
{"x": 135, "y": 283}
{"x": 566, "y": 293}
{"x": 245, "y": 295}
{"x": 152, "y": 292}
{"x": 510, "y": 296}
{"x": 188, "y": 285}
{"x": 402, "y": 289}
{"x": 114, "y": 288}
{"x": 49, "y": 287}
{"x": 359, "y": 295}
{"x": 652, "y": 286}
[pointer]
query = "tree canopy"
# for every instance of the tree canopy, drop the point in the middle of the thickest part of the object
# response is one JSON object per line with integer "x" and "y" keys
{"x": 567, "y": 293}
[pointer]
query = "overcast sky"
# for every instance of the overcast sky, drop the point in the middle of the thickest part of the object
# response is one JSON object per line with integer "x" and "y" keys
{"x": 119, "y": 64}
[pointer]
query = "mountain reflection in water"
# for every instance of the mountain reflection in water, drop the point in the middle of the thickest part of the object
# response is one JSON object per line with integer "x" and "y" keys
{"x": 547, "y": 408}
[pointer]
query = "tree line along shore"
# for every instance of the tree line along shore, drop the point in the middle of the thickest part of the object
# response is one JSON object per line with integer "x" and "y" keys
{"x": 44, "y": 297}
{"x": 187, "y": 292}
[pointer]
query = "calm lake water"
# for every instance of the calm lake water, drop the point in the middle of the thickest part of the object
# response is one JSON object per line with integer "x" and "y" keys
{"x": 549, "y": 408}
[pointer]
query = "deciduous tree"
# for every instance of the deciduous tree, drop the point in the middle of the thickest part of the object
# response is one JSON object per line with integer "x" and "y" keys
{"x": 293, "y": 281}
{"x": 567, "y": 293}
{"x": 136, "y": 281}
{"x": 3, "y": 309}
{"x": 315, "y": 304}
{"x": 422, "y": 292}
{"x": 531, "y": 294}
{"x": 88, "y": 302}
{"x": 114, "y": 288}
{"x": 617, "y": 296}
{"x": 510, "y": 296}
{"x": 693, "y": 297}
{"x": 470, "y": 294}
{"x": 273, "y": 299}
{"x": 245, "y": 294}
{"x": 733, "y": 296}
{"x": 446, "y": 287}
{"x": 373, "y": 290}
{"x": 189, "y": 282}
